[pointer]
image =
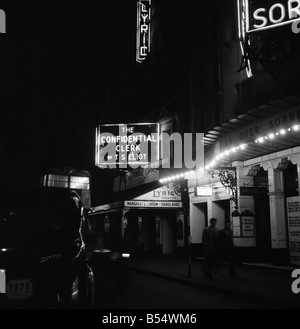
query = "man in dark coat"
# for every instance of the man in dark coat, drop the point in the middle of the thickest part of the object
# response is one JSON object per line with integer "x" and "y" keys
{"x": 210, "y": 247}
{"x": 226, "y": 249}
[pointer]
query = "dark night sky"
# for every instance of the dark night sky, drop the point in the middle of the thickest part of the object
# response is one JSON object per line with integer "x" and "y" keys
{"x": 55, "y": 61}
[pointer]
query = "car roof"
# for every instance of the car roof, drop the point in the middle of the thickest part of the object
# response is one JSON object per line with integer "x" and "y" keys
{"x": 35, "y": 195}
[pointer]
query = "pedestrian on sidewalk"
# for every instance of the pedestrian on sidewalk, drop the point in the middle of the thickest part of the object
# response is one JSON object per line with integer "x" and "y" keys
{"x": 226, "y": 249}
{"x": 210, "y": 247}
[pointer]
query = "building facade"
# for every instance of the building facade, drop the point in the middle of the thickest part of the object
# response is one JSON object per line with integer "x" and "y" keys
{"x": 143, "y": 215}
{"x": 252, "y": 155}
{"x": 210, "y": 71}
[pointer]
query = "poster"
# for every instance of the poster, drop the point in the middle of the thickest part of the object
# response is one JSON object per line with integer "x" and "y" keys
{"x": 248, "y": 226}
{"x": 293, "y": 219}
{"x": 236, "y": 228}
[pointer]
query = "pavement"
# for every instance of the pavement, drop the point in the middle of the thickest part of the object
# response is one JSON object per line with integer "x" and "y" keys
{"x": 253, "y": 281}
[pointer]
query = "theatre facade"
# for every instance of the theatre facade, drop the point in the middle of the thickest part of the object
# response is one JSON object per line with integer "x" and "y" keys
{"x": 239, "y": 85}
{"x": 145, "y": 218}
{"x": 253, "y": 183}
{"x": 251, "y": 174}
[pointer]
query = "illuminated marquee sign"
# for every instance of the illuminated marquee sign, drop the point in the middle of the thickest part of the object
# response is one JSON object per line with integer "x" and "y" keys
{"x": 266, "y": 14}
{"x": 169, "y": 192}
{"x": 126, "y": 145}
{"x": 152, "y": 204}
{"x": 143, "y": 29}
{"x": 259, "y": 15}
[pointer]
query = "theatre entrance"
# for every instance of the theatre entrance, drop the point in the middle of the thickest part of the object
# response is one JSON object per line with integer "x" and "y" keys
{"x": 151, "y": 232}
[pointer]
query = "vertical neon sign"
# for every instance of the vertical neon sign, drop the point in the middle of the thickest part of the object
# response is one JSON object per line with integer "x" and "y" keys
{"x": 143, "y": 29}
{"x": 243, "y": 26}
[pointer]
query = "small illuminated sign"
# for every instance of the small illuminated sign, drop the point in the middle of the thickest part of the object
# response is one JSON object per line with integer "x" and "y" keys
{"x": 169, "y": 192}
{"x": 143, "y": 29}
{"x": 204, "y": 191}
{"x": 152, "y": 204}
{"x": 267, "y": 14}
{"x": 135, "y": 145}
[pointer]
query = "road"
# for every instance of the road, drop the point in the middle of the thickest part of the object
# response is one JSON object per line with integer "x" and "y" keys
{"x": 148, "y": 292}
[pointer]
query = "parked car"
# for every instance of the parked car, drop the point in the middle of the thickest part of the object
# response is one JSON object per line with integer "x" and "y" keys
{"x": 42, "y": 250}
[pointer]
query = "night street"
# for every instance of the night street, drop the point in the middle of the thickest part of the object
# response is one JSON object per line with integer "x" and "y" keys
{"x": 160, "y": 134}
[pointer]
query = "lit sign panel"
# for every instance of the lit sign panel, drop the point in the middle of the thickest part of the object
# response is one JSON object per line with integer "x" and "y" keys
{"x": 143, "y": 29}
{"x": 169, "y": 192}
{"x": 259, "y": 15}
{"x": 204, "y": 191}
{"x": 152, "y": 204}
{"x": 266, "y": 14}
{"x": 124, "y": 145}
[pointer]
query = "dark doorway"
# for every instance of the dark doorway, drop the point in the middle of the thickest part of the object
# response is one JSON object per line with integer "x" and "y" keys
{"x": 262, "y": 218}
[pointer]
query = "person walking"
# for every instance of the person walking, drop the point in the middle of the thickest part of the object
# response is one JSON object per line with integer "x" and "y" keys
{"x": 210, "y": 247}
{"x": 226, "y": 249}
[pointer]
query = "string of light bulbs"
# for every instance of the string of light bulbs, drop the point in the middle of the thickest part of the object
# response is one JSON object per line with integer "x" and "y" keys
{"x": 222, "y": 155}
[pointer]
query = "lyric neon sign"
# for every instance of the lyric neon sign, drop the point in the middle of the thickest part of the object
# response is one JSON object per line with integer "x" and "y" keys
{"x": 143, "y": 29}
{"x": 263, "y": 15}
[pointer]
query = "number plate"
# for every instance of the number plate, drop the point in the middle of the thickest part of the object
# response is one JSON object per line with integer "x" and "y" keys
{"x": 18, "y": 289}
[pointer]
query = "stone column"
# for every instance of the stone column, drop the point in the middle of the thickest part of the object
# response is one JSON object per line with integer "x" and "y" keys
{"x": 277, "y": 208}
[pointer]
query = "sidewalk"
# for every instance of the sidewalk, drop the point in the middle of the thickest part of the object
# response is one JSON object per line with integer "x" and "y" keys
{"x": 262, "y": 282}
